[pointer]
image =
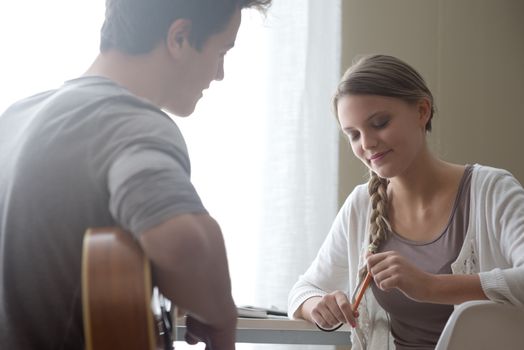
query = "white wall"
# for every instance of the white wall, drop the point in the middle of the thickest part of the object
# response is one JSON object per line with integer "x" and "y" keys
{"x": 471, "y": 53}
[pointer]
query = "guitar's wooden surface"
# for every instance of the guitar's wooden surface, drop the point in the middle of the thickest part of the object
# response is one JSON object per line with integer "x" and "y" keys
{"x": 116, "y": 292}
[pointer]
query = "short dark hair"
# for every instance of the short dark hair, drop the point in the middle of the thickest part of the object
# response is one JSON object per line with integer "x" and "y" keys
{"x": 137, "y": 26}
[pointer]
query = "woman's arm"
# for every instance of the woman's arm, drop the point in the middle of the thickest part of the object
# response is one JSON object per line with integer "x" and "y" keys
{"x": 335, "y": 264}
{"x": 499, "y": 228}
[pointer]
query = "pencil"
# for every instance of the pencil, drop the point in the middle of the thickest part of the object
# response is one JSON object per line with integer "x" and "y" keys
{"x": 363, "y": 288}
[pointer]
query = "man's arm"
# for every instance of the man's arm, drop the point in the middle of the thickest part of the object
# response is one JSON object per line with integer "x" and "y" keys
{"x": 190, "y": 266}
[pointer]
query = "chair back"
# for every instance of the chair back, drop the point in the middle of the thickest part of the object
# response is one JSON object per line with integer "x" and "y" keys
{"x": 483, "y": 325}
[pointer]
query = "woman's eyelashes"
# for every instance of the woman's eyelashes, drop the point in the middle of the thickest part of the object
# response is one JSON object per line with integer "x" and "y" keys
{"x": 352, "y": 135}
{"x": 377, "y": 123}
{"x": 380, "y": 122}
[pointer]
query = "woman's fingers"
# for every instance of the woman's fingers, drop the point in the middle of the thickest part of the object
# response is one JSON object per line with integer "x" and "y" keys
{"x": 386, "y": 268}
{"x": 346, "y": 309}
{"x": 333, "y": 309}
{"x": 391, "y": 270}
{"x": 323, "y": 315}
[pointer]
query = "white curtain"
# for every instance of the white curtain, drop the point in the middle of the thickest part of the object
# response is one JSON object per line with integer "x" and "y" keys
{"x": 264, "y": 148}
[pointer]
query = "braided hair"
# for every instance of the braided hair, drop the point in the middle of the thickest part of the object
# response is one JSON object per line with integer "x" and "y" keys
{"x": 379, "y": 225}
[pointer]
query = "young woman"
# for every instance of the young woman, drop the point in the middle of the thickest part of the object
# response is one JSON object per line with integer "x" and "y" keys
{"x": 432, "y": 234}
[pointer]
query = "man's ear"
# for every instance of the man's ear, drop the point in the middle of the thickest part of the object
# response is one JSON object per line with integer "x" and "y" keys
{"x": 178, "y": 36}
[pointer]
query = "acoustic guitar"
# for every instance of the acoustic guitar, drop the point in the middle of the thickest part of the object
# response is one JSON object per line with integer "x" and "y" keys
{"x": 118, "y": 295}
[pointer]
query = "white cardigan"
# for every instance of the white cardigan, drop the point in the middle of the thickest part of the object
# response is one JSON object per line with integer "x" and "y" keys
{"x": 493, "y": 247}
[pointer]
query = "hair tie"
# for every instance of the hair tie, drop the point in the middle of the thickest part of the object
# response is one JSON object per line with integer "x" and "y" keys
{"x": 330, "y": 329}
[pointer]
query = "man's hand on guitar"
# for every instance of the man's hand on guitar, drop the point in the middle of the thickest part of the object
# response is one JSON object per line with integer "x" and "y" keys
{"x": 214, "y": 338}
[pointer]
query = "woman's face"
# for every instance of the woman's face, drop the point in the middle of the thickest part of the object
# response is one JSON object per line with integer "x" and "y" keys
{"x": 385, "y": 133}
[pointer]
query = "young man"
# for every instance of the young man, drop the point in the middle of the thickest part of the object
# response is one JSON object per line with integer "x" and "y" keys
{"x": 99, "y": 151}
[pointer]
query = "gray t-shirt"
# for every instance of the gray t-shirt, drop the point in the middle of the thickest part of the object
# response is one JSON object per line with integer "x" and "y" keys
{"x": 88, "y": 154}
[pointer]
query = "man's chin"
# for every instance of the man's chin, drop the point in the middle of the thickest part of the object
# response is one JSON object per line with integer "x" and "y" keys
{"x": 186, "y": 111}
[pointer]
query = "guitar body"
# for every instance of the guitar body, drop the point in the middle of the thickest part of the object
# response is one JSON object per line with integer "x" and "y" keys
{"x": 117, "y": 294}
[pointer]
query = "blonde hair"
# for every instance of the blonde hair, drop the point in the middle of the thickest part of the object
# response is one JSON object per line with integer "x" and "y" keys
{"x": 379, "y": 224}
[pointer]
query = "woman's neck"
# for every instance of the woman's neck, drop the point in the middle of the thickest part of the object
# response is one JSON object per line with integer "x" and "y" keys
{"x": 425, "y": 179}
{"x": 421, "y": 200}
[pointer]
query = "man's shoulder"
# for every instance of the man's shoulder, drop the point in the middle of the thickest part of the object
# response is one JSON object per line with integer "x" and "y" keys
{"x": 111, "y": 106}
{"x": 102, "y": 90}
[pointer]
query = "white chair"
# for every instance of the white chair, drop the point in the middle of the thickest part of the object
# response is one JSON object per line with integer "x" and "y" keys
{"x": 483, "y": 325}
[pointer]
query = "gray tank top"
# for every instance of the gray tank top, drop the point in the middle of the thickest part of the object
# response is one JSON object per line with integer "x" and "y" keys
{"x": 417, "y": 325}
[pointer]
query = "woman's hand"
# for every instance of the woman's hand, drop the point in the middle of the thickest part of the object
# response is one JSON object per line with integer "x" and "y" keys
{"x": 391, "y": 270}
{"x": 330, "y": 310}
